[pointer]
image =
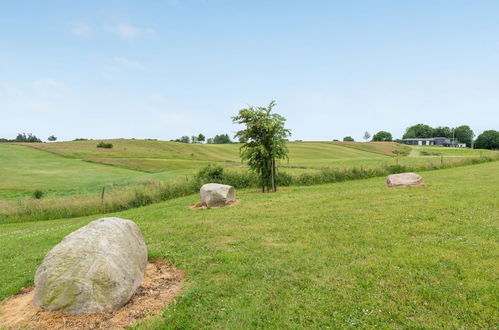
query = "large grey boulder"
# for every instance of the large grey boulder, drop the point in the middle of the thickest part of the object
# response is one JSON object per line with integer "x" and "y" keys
{"x": 96, "y": 268}
{"x": 403, "y": 179}
{"x": 215, "y": 194}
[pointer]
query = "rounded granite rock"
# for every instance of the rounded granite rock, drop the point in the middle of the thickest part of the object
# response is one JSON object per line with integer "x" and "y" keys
{"x": 96, "y": 268}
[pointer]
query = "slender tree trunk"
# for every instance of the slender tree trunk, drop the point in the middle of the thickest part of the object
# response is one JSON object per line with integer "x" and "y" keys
{"x": 273, "y": 174}
{"x": 263, "y": 180}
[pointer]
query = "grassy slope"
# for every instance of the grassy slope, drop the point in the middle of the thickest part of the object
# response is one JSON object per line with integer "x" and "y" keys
{"x": 385, "y": 148}
{"x": 338, "y": 255}
{"x": 25, "y": 169}
{"x": 161, "y": 155}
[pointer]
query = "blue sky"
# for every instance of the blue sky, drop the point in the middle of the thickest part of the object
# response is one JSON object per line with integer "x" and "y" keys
{"x": 162, "y": 69}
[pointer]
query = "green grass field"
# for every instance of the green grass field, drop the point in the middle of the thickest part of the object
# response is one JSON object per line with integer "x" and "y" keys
{"x": 81, "y": 170}
{"x": 344, "y": 255}
{"x": 79, "y": 167}
{"x": 157, "y": 156}
{"x": 24, "y": 169}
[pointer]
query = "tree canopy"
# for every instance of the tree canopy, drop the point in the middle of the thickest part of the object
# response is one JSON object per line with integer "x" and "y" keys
{"x": 266, "y": 138}
{"x": 23, "y": 137}
{"x": 463, "y": 133}
{"x": 348, "y": 139}
{"x": 418, "y": 131}
{"x": 488, "y": 140}
{"x": 382, "y": 136}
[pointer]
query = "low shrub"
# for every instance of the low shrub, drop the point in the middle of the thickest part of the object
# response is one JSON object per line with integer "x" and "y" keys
{"x": 37, "y": 194}
{"x": 104, "y": 145}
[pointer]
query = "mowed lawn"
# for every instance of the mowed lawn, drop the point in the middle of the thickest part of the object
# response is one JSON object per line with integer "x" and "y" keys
{"x": 351, "y": 254}
{"x": 157, "y": 156}
{"x": 24, "y": 169}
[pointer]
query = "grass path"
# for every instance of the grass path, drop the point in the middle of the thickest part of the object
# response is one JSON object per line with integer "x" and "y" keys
{"x": 351, "y": 254}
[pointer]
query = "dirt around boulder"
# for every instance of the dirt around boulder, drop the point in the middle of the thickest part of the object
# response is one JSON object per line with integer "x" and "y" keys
{"x": 161, "y": 285}
{"x": 202, "y": 205}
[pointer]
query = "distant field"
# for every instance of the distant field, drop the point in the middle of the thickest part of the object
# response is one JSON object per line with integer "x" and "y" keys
{"x": 344, "y": 255}
{"x": 158, "y": 156}
{"x": 79, "y": 167}
{"x": 22, "y": 170}
{"x": 385, "y": 148}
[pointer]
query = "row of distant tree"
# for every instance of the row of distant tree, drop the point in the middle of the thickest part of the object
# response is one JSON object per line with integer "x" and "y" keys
{"x": 218, "y": 139}
{"x": 487, "y": 140}
{"x": 23, "y": 137}
{"x": 464, "y": 134}
{"x": 381, "y": 136}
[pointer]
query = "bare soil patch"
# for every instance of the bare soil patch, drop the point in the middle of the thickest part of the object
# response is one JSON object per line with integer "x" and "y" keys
{"x": 410, "y": 185}
{"x": 161, "y": 285}
{"x": 201, "y": 205}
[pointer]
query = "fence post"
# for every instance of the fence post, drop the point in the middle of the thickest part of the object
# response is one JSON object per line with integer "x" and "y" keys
{"x": 102, "y": 195}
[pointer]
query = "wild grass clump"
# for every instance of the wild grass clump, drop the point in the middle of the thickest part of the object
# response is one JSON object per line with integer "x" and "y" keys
{"x": 75, "y": 206}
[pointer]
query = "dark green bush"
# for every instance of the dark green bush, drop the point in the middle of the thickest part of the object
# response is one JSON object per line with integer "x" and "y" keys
{"x": 37, "y": 194}
{"x": 211, "y": 173}
{"x": 104, "y": 145}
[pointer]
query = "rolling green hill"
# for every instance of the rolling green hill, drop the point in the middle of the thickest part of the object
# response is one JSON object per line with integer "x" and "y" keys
{"x": 158, "y": 156}
{"x": 23, "y": 170}
{"x": 351, "y": 254}
{"x": 77, "y": 167}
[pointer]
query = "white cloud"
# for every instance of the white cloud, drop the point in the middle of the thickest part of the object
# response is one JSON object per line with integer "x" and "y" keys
{"x": 81, "y": 30}
{"x": 126, "y": 63}
{"x": 130, "y": 32}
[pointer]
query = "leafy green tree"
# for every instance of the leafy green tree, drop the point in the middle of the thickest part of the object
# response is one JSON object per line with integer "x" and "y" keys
{"x": 488, "y": 140}
{"x": 442, "y": 131}
{"x": 266, "y": 138}
{"x": 201, "y": 138}
{"x": 222, "y": 139}
{"x": 194, "y": 139}
{"x": 52, "y": 138}
{"x": 418, "y": 131}
{"x": 23, "y": 137}
{"x": 464, "y": 134}
{"x": 184, "y": 139}
{"x": 382, "y": 136}
{"x": 348, "y": 139}
{"x": 209, "y": 141}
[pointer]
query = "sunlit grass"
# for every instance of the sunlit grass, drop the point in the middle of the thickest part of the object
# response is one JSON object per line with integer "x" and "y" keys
{"x": 351, "y": 254}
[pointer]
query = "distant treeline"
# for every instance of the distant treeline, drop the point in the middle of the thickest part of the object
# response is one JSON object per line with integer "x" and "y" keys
{"x": 23, "y": 137}
{"x": 464, "y": 134}
{"x": 218, "y": 139}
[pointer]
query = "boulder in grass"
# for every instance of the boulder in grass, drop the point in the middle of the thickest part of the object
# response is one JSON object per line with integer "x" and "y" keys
{"x": 96, "y": 268}
{"x": 215, "y": 194}
{"x": 403, "y": 179}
